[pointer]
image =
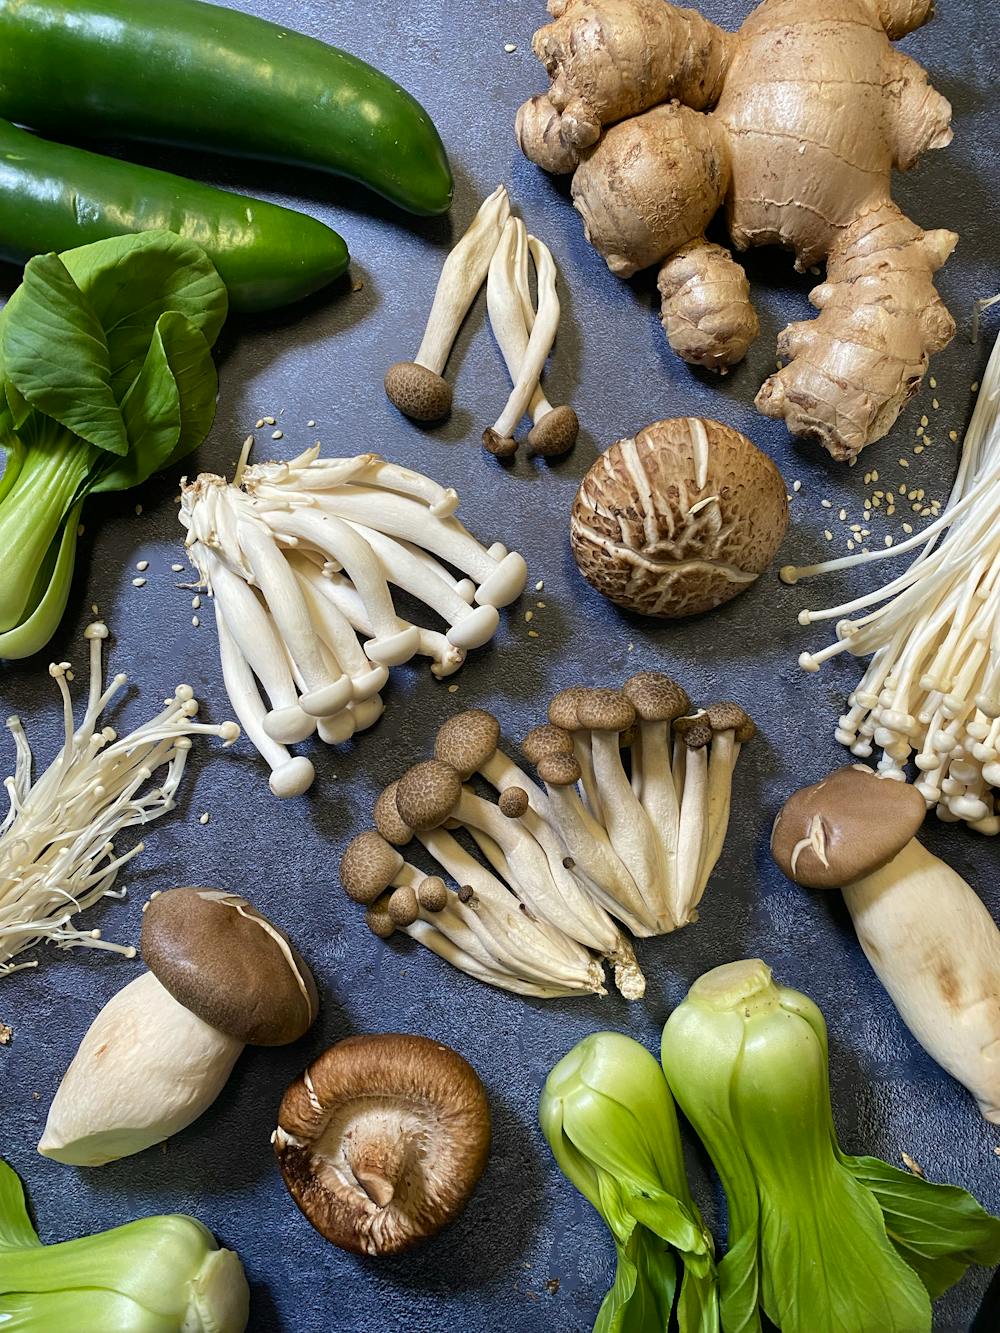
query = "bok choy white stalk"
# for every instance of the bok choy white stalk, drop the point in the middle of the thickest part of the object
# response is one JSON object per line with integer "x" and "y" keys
{"x": 820, "y": 1241}
{"x": 610, "y": 1121}
{"x": 157, "y": 1275}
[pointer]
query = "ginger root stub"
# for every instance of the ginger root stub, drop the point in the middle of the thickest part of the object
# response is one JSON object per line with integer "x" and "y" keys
{"x": 795, "y": 123}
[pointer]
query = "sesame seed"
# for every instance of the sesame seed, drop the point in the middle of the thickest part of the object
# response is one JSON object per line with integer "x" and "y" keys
{"x": 918, "y": 449}
{"x": 842, "y": 515}
{"x": 925, "y": 513}
{"x": 452, "y": 689}
{"x": 277, "y": 435}
{"x": 532, "y": 634}
{"x": 529, "y": 615}
{"x": 903, "y": 463}
{"x": 259, "y": 424}
{"x": 920, "y": 430}
{"x": 868, "y": 478}
{"x": 827, "y": 504}
{"x": 907, "y": 527}
{"x": 178, "y": 569}
{"x": 310, "y": 424}
{"x": 196, "y": 602}
{"x": 540, "y": 605}
{"x": 195, "y": 621}
{"x": 877, "y": 501}
{"x": 509, "y": 47}
{"x": 888, "y": 541}
{"x": 850, "y": 546}
{"x": 934, "y": 403}
{"x": 974, "y": 386}
{"x": 93, "y": 609}
{"x": 269, "y": 421}
{"x": 203, "y": 818}
{"x": 142, "y": 565}
{"x": 539, "y": 585}
{"x": 796, "y": 486}
{"x": 357, "y": 285}
{"x": 932, "y": 382}
{"x": 138, "y": 583}
{"x": 924, "y": 421}
{"x": 138, "y": 510}
{"x": 828, "y": 534}
{"x": 891, "y": 510}
{"x": 953, "y": 435}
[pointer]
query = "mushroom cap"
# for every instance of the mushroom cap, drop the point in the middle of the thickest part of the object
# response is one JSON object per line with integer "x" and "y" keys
{"x": 378, "y": 920}
{"x": 605, "y": 710}
{"x": 555, "y": 433}
{"x": 382, "y": 1139}
{"x": 727, "y": 716}
{"x": 500, "y": 446}
{"x": 655, "y": 697}
{"x": 387, "y": 819}
{"x": 843, "y": 828}
{"x": 563, "y": 706}
{"x": 432, "y": 893}
{"x": 368, "y": 866}
{"x": 427, "y": 793}
{"x": 680, "y": 519}
{"x": 402, "y": 906}
{"x": 234, "y": 969}
{"x": 545, "y": 740}
{"x": 467, "y": 740}
{"x": 695, "y": 731}
{"x": 419, "y": 393}
{"x": 513, "y": 802}
{"x": 559, "y": 770}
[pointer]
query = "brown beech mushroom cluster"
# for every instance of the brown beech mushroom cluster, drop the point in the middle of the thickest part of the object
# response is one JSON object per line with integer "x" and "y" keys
{"x": 929, "y": 938}
{"x": 382, "y": 1140}
{"x": 621, "y": 831}
{"x": 678, "y": 520}
{"x": 221, "y": 976}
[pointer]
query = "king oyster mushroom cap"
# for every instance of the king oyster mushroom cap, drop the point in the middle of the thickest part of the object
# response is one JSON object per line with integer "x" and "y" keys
{"x": 226, "y": 962}
{"x": 368, "y": 866}
{"x": 382, "y": 1140}
{"x": 145, "y": 1069}
{"x": 843, "y": 828}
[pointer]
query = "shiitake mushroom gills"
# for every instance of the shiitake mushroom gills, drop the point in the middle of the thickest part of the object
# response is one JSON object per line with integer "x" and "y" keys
{"x": 382, "y": 1139}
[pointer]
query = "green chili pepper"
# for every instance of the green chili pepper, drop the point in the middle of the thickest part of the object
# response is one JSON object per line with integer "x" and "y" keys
{"x": 57, "y": 198}
{"x": 183, "y": 72}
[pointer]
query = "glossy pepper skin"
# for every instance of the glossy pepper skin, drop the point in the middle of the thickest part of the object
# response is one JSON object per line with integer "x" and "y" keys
{"x": 56, "y": 198}
{"x": 193, "y": 74}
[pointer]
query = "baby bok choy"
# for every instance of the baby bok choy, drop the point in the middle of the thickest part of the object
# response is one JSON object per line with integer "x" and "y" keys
{"x": 106, "y": 376}
{"x": 610, "y": 1121}
{"x": 157, "y": 1275}
{"x": 820, "y": 1241}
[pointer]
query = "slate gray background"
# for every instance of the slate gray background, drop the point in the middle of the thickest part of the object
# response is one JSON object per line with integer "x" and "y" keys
{"x": 526, "y": 1224}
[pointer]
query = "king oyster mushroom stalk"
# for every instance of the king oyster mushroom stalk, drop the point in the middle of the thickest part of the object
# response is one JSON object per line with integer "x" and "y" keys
{"x": 158, "y": 1054}
{"x": 57, "y": 848}
{"x": 418, "y": 387}
{"x": 300, "y": 558}
{"x": 539, "y": 911}
{"x": 512, "y": 318}
{"x": 382, "y": 1140}
{"x": 927, "y": 935}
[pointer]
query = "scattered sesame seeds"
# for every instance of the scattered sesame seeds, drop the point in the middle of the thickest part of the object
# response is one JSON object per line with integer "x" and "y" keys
{"x": 270, "y": 421}
{"x": 888, "y": 540}
{"x": 828, "y": 534}
{"x": 142, "y": 565}
{"x": 541, "y": 605}
{"x": 903, "y": 462}
{"x": 357, "y": 285}
{"x": 932, "y": 382}
{"x": 907, "y": 527}
{"x": 195, "y": 621}
{"x": 277, "y": 435}
{"x": 974, "y": 386}
{"x": 935, "y": 404}
{"x": 93, "y": 609}
{"x": 953, "y": 435}
{"x": 259, "y": 424}
{"x": 138, "y": 583}
{"x": 850, "y": 546}
{"x": 203, "y": 818}
{"x": 842, "y": 515}
{"x": 924, "y": 421}
{"x": 918, "y": 448}
{"x": 178, "y": 569}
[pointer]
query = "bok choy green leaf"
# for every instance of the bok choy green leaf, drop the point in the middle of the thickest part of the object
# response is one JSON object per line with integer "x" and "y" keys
{"x": 106, "y": 376}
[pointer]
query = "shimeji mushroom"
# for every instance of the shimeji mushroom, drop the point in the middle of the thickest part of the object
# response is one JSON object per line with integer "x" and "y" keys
{"x": 927, "y": 935}
{"x": 417, "y": 387}
{"x": 512, "y": 317}
{"x": 931, "y": 693}
{"x": 382, "y": 1139}
{"x": 158, "y": 1054}
{"x": 300, "y": 556}
{"x": 57, "y": 848}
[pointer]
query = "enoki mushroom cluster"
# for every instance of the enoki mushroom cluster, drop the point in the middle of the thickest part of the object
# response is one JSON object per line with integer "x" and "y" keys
{"x": 299, "y": 558}
{"x": 622, "y": 829}
{"x": 931, "y": 693}
{"x": 57, "y": 851}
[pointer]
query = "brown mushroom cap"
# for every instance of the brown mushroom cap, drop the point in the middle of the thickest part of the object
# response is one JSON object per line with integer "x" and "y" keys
{"x": 845, "y": 827}
{"x": 402, "y": 906}
{"x": 695, "y": 731}
{"x": 544, "y": 740}
{"x": 419, "y": 393}
{"x": 655, "y": 697}
{"x": 563, "y": 706}
{"x": 727, "y": 716}
{"x": 382, "y": 1139}
{"x": 234, "y": 969}
{"x": 378, "y": 920}
{"x": 427, "y": 793}
{"x": 679, "y": 520}
{"x": 500, "y": 446}
{"x": 555, "y": 433}
{"x": 513, "y": 802}
{"x": 468, "y": 740}
{"x": 387, "y": 819}
{"x": 559, "y": 770}
{"x": 432, "y": 893}
{"x": 605, "y": 710}
{"x": 368, "y": 866}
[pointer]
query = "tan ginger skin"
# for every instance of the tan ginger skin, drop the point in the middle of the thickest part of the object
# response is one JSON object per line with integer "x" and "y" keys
{"x": 795, "y": 124}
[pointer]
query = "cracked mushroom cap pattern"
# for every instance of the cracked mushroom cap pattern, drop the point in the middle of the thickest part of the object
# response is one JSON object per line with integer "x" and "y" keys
{"x": 427, "y": 793}
{"x": 545, "y": 740}
{"x": 368, "y": 866}
{"x": 678, "y": 520}
{"x": 467, "y": 740}
{"x": 387, "y": 819}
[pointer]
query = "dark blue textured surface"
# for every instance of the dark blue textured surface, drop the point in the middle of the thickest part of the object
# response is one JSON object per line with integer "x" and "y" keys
{"x": 525, "y": 1225}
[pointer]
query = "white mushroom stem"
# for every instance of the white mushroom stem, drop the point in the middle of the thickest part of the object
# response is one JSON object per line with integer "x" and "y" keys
{"x": 936, "y": 950}
{"x": 509, "y": 305}
{"x": 431, "y": 938}
{"x": 146, "y": 1068}
{"x": 540, "y": 340}
{"x": 692, "y": 831}
{"x": 289, "y": 776}
{"x": 653, "y": 784}
{"x": 311, "y": 473}
{"x": 461, "y": 277}
{"x": 722, "y": 759}
{"x": 337, "y": 632}
{"x": 630, "y": 830}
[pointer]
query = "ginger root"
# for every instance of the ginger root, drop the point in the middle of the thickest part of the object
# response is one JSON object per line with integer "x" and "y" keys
{"x": 794, "y": 124}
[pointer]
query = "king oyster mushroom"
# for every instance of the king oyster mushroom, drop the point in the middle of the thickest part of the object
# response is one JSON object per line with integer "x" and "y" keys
{"x": 927, "y": 935}
{"x": 158, "y": 1054}
{"x": 382, "y": 1140}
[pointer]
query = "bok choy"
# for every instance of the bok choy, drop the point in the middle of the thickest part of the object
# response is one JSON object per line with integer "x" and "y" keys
{"x": 610, "y": 1121}
{"x": 106, "y": 376}
{"x": 820, "y": 1241}
{"x": 157, "y": 1275}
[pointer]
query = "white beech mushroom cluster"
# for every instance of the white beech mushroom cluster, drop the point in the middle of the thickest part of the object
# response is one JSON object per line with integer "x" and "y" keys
{"x": 931, "y": 693}
{"x": 622, "y": 829}
{"x": 496, "y": 250}
{"x": 57, "y": 851}
{"x": 299, "y": 558}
